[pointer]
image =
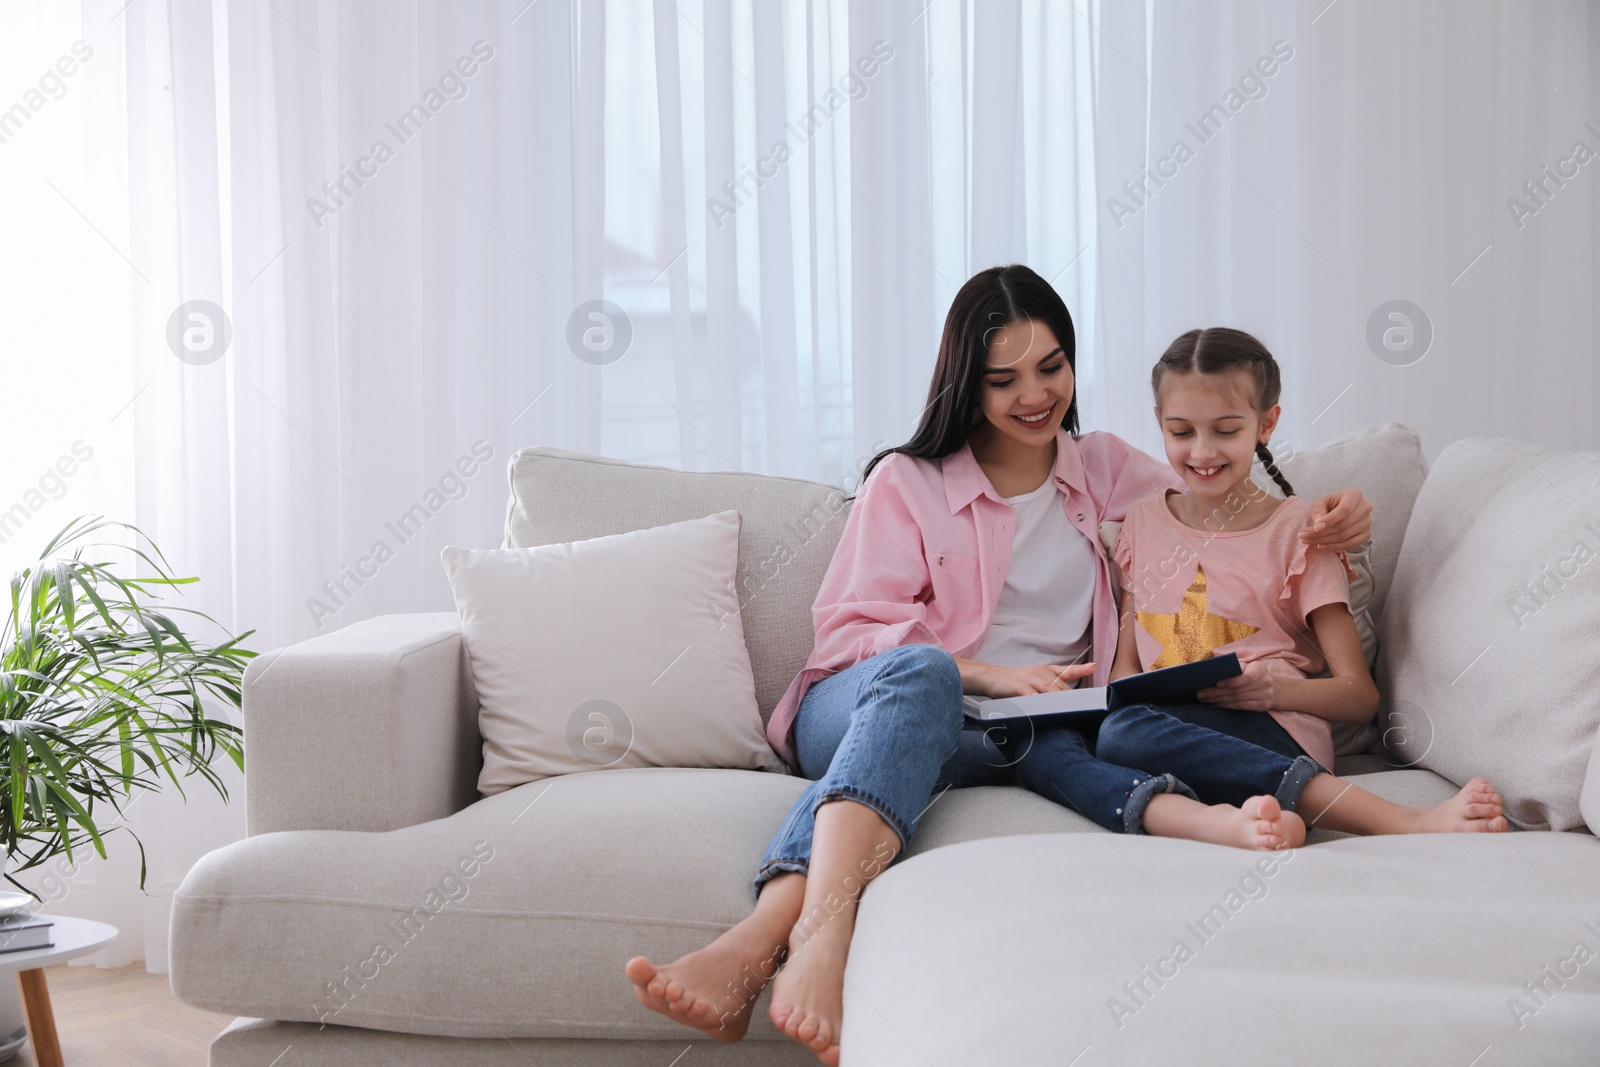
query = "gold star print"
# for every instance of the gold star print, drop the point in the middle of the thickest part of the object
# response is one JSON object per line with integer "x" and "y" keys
{"x": 1193, "y": 633}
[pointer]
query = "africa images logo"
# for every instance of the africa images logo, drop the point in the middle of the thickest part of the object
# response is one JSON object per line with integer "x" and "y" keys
{"x": 452, "y": 86}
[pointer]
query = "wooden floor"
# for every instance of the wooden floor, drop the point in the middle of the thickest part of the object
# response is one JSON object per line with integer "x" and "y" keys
{"x": 123, "y": 1017}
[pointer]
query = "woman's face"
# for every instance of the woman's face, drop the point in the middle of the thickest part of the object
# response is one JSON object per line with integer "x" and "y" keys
{"x": 1026, "y": 374}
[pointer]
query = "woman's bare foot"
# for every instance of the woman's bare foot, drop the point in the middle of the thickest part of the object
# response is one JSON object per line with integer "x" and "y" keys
{"x": 808, "y": 994}
{"x": 714, "y": 988}
{"x": 1260, "y": 823}
{"x": 1476, "y": 809}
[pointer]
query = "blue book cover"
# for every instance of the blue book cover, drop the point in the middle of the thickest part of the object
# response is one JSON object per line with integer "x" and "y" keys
{"x": 1170, "y": 685}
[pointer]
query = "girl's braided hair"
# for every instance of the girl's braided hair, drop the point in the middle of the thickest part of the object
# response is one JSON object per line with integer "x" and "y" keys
{"x": 1217, "y": 350}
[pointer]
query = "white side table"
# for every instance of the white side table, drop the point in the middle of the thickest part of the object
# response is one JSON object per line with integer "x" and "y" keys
{"x": 73, "y": 938}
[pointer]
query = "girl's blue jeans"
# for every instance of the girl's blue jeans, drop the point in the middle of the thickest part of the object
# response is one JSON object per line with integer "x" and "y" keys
{"x": 1220, "y": 772}
{"x": 890, "y": 733}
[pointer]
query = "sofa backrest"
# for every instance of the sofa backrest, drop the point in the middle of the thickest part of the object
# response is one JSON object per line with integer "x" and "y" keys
{"x": 789, "y": 529}
{"x": 790, "y": 526}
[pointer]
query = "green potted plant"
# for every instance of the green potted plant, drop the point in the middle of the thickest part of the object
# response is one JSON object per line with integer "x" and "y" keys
{"x": 103, "y": 694}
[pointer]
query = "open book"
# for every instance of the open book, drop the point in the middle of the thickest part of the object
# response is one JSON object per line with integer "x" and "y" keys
{"x": 1170, "y": 685}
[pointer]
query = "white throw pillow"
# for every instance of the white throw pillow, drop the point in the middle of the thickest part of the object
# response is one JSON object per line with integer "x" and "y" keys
{"x": 1489, "y": 664}
{"x": 619, "y": 651}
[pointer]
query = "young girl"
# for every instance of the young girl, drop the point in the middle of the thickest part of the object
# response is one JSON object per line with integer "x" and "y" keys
{"x": 1218, "y": 568}
{"x": 970, "y": 564}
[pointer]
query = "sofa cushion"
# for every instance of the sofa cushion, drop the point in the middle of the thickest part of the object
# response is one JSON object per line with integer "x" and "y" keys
{"x": 1589, "y": 802}
{"x": 1366, "y": 950}
{"x": 1488, "y": 663}
{"x": 529, "y": 902}
{"x": 261, "y": 1043}
{"x": 789, "y": 530}
{"x": 573, "y": 876}
{"x": 618, "y": 651}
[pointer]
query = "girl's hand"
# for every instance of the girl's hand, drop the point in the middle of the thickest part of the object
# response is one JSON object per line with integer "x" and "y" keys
{"x": 1039, "y": 678}
{"x": 1341, "y": 520}
{"x": 1254, "y": 690}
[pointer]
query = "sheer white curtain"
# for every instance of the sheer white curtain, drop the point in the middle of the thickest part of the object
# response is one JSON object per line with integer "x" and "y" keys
{"x": 114, "y": 219}
{"x": 1375, "y": 163}
{"x": 409, "y": 210}
{"x": 774, "y": 201}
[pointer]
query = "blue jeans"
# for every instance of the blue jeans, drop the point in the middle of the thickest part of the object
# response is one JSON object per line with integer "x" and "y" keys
{"x": 1227, "y": 756}
{"x": 889, "y": 732}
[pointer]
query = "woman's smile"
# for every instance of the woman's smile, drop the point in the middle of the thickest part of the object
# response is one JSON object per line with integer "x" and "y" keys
{"x": 1036, "y": 418}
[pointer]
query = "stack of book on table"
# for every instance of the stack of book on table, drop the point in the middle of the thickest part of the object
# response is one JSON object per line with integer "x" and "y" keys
{"x": 21, "y": 931}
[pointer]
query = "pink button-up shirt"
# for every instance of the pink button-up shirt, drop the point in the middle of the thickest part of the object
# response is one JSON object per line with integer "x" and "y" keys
{"x": 926, "y": 549}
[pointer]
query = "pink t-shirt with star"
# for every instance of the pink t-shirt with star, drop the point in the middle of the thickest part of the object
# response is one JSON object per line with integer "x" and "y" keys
{"x": 1198, "y": 592}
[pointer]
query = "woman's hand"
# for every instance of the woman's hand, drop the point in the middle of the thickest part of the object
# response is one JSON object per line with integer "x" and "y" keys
{"x": 1341, "y": 520}
{"x": 1039, "y": 678}
{"x": 1254, "y": 690}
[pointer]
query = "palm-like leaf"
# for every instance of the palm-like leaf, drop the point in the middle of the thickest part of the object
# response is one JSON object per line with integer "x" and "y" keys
{"x": 102, "y": 694}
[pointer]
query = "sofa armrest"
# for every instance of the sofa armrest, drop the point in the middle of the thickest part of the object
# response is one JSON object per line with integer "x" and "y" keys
{"x": 372, "y": 727}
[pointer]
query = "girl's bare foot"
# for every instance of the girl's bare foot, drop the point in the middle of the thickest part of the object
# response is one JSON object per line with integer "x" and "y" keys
{"x": 808, "y": 994}
{"x": 1259, "y": 823}
{"x": 711, "y": 989}
{"x": 1476, "y": 809}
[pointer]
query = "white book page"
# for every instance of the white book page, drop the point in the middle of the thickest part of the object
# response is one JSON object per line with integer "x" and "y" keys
{"x": 1091, "y": 699}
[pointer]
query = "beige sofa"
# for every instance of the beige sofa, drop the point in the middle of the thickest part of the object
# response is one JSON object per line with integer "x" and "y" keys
{"x": 381, "y": 912}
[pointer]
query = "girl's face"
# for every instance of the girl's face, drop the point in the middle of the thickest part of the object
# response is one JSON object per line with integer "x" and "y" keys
{"x": 1210, "y": 425}
{"x": 1026, "y": 374}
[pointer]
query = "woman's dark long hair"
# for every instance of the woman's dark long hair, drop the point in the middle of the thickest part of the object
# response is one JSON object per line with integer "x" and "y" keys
{"x": 990, "y": 300}
{"x": 1218, "y": 350}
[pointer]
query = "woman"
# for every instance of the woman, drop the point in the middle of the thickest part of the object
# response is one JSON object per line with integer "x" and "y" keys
{"x": 970, "y": 565}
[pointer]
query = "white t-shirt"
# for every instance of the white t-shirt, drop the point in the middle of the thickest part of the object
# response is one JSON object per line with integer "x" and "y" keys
{"x": 1047, "y": 603}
